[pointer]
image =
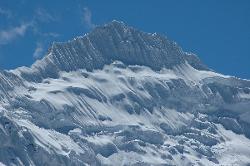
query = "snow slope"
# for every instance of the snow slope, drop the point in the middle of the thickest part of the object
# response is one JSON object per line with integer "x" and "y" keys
{"x": 119, "y": 96}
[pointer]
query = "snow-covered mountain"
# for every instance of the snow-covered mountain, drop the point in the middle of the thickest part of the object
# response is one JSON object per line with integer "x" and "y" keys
{"x": 119, "y": 96}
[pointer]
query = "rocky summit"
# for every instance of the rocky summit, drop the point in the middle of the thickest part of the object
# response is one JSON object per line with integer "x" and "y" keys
{"x": 120, "y": 96}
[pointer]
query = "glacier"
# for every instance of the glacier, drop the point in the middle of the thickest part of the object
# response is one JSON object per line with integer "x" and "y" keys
{"x": 120, "y": 96}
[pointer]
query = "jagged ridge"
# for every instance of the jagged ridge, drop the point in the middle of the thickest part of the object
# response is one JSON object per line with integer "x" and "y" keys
{"x": 105, "y": 44}
{"x": 125, "y": 113}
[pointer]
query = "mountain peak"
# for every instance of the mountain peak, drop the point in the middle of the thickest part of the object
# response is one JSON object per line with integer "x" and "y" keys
{"x": 114, "y": 41}
{"x": 116, "y": 22}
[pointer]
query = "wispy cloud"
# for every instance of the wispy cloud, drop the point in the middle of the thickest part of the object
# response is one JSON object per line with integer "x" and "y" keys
{"x": 12, "y": 33}
{"x": 43, "y": 15}
{"x": 39, "y": 33}
{"x": 38, "y": 52}
{"x": 5, "y": 12}
{"x": 87, "y": 18}
{"x": 51, "y": 34}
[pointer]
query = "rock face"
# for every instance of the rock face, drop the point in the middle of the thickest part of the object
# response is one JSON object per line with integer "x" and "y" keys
{"x": 105, "y": 44}
{"x": 119, "y": 96}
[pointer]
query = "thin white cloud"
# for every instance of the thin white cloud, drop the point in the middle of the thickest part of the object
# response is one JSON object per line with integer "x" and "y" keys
{"x": 11, "y": 34}
{"x": 38, "y": 52}
{"x": 51, "y": 34}
{"x": 44, "y": 16}
{"x": 37, "y": 31}
{"x": 5, "y": 12}
{"x": 87, "y": 18}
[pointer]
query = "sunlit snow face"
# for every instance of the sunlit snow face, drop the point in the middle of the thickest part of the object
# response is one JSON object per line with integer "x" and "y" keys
{"x": 119, "y": 96}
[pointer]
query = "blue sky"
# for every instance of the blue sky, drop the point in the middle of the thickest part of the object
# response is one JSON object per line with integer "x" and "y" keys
{"x": 217, "y": 31}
